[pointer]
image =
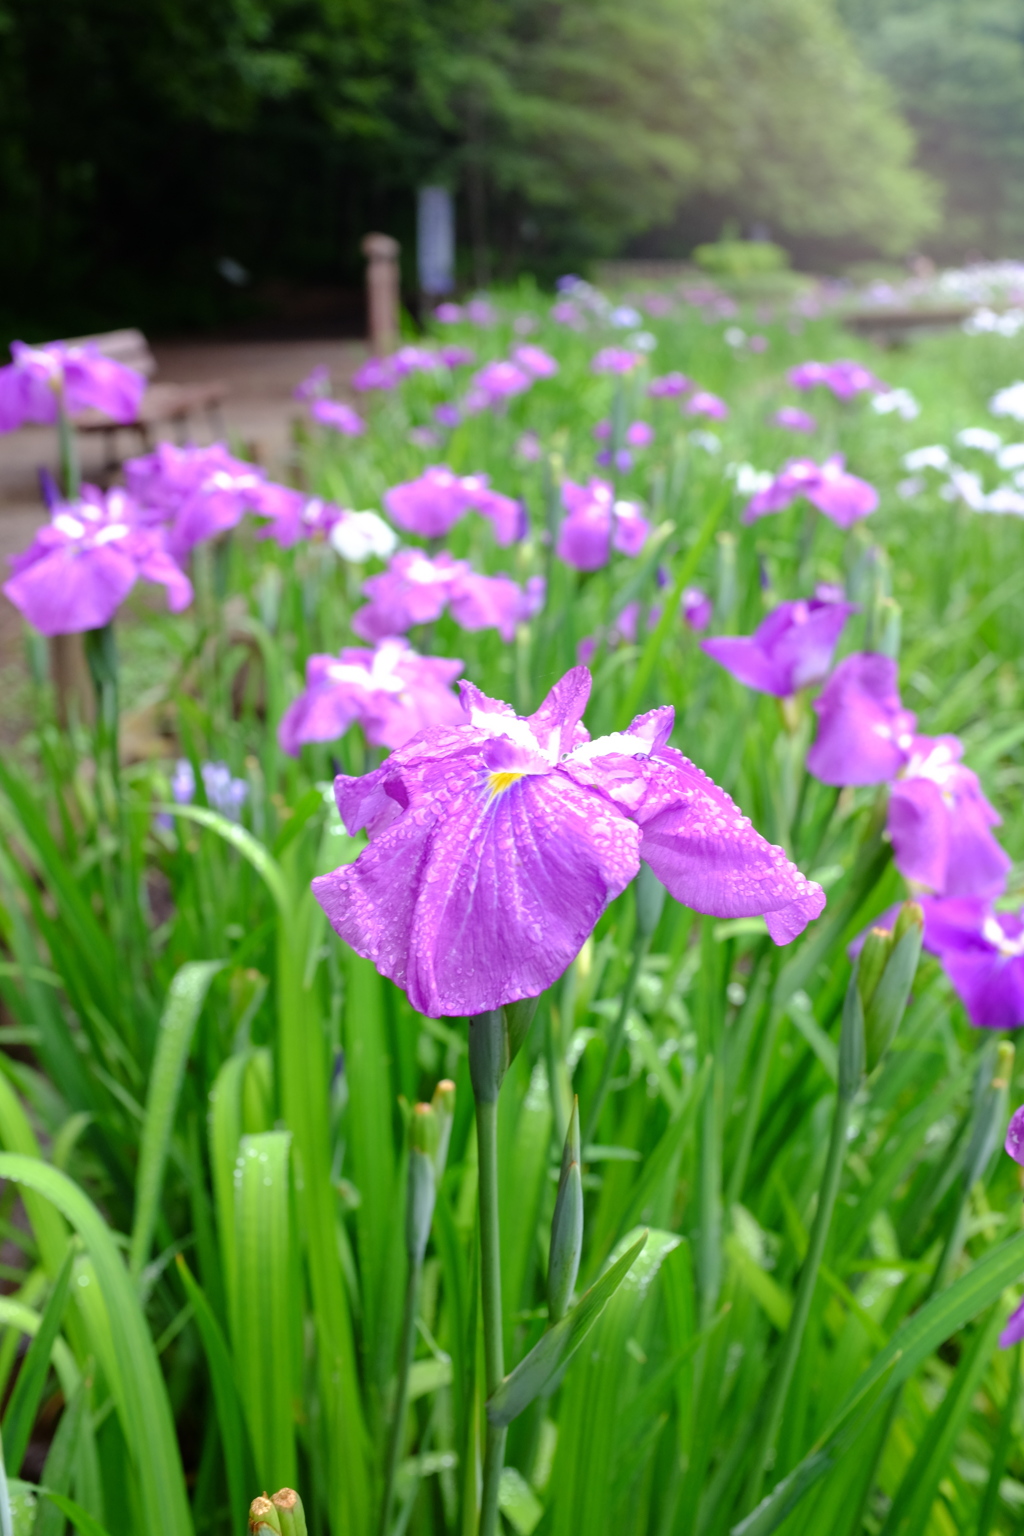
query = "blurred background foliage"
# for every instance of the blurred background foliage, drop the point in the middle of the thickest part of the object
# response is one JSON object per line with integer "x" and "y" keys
{"x": 140, "y": 145}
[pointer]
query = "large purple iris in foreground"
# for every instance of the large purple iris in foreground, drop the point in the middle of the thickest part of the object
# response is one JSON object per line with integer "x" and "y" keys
{"x": 495, "y": 845}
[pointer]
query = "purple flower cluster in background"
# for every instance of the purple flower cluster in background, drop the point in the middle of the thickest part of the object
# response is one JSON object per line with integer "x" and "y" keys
{"x": 596, "y": 524}
{"x": 223, "y": 792}
{"x": 555, "y": 827}
{"x": 792, "y": 419}
{"x": 83, "y": 563}
{"x": 40, "y": 381}
{"x": 939, "y": 820}
{"x": 845, "y": 378}
{"x": 842, "y": 497}
{"x": 391, "y": 691}
{"x": 790, "y": 649}
{"x": 416, "y": 589}
{"x": 433, "y": 503}
{"x": 617, "y": 360}
{"x": 695, "y": 607}
{"x": 668, "y": 386}
{"x": 704, "y": 403}
{"x": 339, "y": 416}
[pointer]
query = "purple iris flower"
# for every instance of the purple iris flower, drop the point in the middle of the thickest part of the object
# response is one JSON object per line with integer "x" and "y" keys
{"x": 316, "y": 385}
{"x": 668, "y": 386}
{"x": 495, "y": 602}
{"x": 336, "y": 414}
{"x": 864, "y": 733}
{"x": 82, "y": 564}
{"x": 448, "y": 314}
{"x": 845, "y": 378}
{"x": 842, "y": 497}
{"x": 938, "y": 818}
{"x": 528, "y": 448}
{"x": 375, "y": 373}
{"x": 292, "y": 515}
{"x": 457, "y": 357}
{"x": 790, "y": 649}
{"x": 697, "y": 608}
{"x": 481, "y": 312}
{"x": 500, "y": 381}
{"x": 41, "y": 379}
{"x": 224, "y": 793}
{"x": 792, "y": 419}
{"x": 703, "y": 403}
{"x": 391, "y": 691}
{"x": 615, "y": 360}
{"x": 200, "y": 492}
{"x": 597, "y": 523}
{"x": 601, "y": 431}
{"x": 495, "y": 845}
{"x": 639, "y": 434}
{"x": 940, "y": 823}
{"x": 414, "y": 589}
{"x": 535, "y": 361}
{"x": 982, "y": 953}
{"x": 447, "y": 415}
{"x": 565, "y": 312}
{"x": 431, "y": 505}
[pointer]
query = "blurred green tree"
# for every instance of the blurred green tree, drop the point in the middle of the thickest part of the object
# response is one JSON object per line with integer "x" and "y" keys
{"x": 957, "y": 67}
{"x": 139, "y": 144}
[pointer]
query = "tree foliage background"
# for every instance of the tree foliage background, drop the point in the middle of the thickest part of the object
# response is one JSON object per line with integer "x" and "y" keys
{"x": 141, "y": 143}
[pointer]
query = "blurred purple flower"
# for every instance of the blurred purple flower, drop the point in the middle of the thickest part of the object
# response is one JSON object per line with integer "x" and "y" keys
{"x": 697, "y": 608}
{"x": 793, "y": 419}
{"x": 668, "y": 386}
{"x": 424, "y": 437}
{"x": 567, "y": 313}
{"x": 842, "y": 497}
{"x": 845, "y": 378}
{"x": 495, "y": 602}
{"x": 430, "y": 505}
{"x": 639, "y": 434}
{"x": 83, "y": 563}
{"x": 496, "y": 845}
{"x": 411, "y": 359}
{"x": 597, "y": 523}
{"x": 601, "y": 431}
{"x": 500, "y": 381}
{"x": 703, "y": 403}
{"x": 78, "y": 377}
{"x": 391, "y": 691}
{"x": 223, "y": 793}
{"x": 982, "y": 953}
{"x": 457, "y": 357}
{"x": 375, "y": 373}
{"x": 448, "y": 314}
{"x": 535, "y": 361}
{"x": 201, "y": 492}
{"x": 615, "y": 360}
{"x": 864, "y": 733}
{"x": 528, "y": 447}
{"x": 334, "y": 413}
{"x": 447, "y": 414}
{"x": 790, "y": 649}
{"x": 315, "y": 386}
{"x": 758, "y": 343}
{"x": 481, "y": 311}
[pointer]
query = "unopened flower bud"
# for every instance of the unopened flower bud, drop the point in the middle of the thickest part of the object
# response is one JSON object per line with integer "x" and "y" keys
{"x": 423, "y": 1130}
{"x": 518, "y": 1018}
{"x": 290, "y": 1512}
{"x": 422, "y": 1186}
{"x": 650, "y": 901}
{"x": 443, "y": 1105}
{"x": 566, "y": 1224}
{"x": 1004, "y": 1065}
{"x": 887, "y": 1001}
{"x": 873, "y": 957}
{"x": 264, "y": 1517}
{"x": 488, "y": 1054}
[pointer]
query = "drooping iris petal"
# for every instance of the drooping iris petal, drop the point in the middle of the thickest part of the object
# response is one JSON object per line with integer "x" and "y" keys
{"x": 864, "y": 733}
{"x": 940, "y": 823}
{"x": 487, "y": 886}
{"x": 790, "y": 649}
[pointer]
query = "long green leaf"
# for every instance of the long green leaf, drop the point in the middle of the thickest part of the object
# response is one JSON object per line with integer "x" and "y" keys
{"x": 265, "y": 865}
{"x": 557, "y": 1347}
{"x": 80, "y": 1518}
{"x": 908, "y": 1348}
{"x": 132, "y": 1364}
{"x": 233, "y": 1437}
{"x": 28, "y": 1389}
{"x": 177, "y": 1025}
{"x": 60, "y": 1460}
{"x": 267, "y": 1304}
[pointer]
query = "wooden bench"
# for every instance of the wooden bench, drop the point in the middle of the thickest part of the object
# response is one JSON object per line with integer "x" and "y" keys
{"x": 161, "y": 405}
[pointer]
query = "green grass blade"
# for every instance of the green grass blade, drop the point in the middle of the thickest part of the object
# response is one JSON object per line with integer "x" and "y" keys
{"x": 268, "y": 1305}
{"x": 140, "y": 1394}
{"x": 233, "y": 1437}
{"x": 83, "y": 1522}
{"x": 17, "y": 1135}
{"x": 28, "y": 1389}
{"x": 59, "y": 1464}
{"x": 177, "y": 1025}
{"x": 242, "y": 841}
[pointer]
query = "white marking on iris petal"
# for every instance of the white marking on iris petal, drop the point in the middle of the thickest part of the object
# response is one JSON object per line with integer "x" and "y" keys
{"x": 992, "y": 932}
{"x": 110, "y": 533}
{"x": 69, "y": 526}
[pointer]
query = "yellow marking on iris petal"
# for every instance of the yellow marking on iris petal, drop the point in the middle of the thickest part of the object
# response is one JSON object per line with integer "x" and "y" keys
{"x": 499, "y": 782}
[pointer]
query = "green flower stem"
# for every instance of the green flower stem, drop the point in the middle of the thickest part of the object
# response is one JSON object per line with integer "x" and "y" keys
{"x": 70, "y": 468}
{"x": 406, "y": 1350}
{"x": 782, "y": 1374}
{"x": 101, "y": 656}
{"x": 490, "y": 1287}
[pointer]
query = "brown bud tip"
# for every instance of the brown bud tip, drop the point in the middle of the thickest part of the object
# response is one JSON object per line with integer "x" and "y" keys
{"x": 263, "y": 1516}
{"x": 286, "y": 1498}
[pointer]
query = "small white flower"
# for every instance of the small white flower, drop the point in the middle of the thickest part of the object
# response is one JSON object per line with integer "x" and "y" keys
{"x": 1011, "y": 457}
{"x": 734, "y": 336}
{"x": 983, "y": 438}
{"x": 359, "y": 535}
{"x": 935, "y": 456}
{"x": 709, "y": 441}
{"x": 1009, "y": 401}
{"x": 643, "y": 341}
{"x": 623, "y": 316}
{"x": 896, "y": 402}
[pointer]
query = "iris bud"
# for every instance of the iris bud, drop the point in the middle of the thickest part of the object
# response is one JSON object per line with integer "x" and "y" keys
{"x": 650, "y": 901}
{"x": 886, "y": 1000}
{"x": 566, "y": 1224}
{"x": 443, "y": 1105}
{"x": 873, "y": 957}
{"x": 263, "y": 1517}
{"x": 424, "y": 1135}
{"x": 290, "y": 1512}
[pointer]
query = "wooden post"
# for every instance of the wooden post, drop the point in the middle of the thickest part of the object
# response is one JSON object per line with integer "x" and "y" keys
{"x": 381, "y": 253}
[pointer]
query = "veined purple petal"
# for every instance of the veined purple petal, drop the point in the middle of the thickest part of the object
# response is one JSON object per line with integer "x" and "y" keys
{"x": 864, "y": 733}
{"x": 790, "y": 649}
{"x": 940, "y": 823}
{"x": 483, "y": 891}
